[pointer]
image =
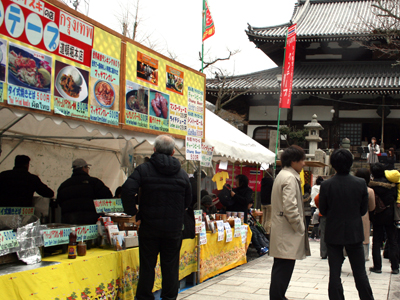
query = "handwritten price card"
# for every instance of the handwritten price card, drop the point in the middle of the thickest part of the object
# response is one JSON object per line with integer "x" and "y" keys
{"x": 60, "y": 236}
{"x": 8, "y": 239}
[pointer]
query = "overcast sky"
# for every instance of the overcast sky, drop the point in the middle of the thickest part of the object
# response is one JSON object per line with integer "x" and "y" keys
{"x": 176, "y": 25}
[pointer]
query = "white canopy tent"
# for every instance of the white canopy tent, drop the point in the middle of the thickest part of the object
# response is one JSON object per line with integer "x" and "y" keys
{"x": 232, "y": 144}
{"x": 53, "y": 142}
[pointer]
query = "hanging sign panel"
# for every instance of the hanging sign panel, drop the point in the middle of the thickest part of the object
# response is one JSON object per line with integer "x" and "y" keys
{"x": 56, "y": 61}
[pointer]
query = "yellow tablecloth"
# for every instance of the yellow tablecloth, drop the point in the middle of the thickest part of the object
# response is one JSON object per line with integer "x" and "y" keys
{"x": 218, "y": 257}
{"x": 106, "y": 273}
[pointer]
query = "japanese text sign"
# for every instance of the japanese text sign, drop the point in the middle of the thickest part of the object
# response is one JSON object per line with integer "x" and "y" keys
{"x": 287, "y": 76}
{"x": 193, "y": 148}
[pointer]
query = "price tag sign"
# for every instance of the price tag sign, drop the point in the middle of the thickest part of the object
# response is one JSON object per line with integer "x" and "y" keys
{"x": 243, "y": 233}
{"x": 25, "y": 211}
{"x": 206, "y": 155}
{"x": 193, "y": 148}
{"x": 203, "y": 234}
{"x": 221, "y": 232}
{"x": 228, "y": 232}
{"x": 60, "y": 236}
{"x": 197, "y": 220}
{"x": 108, "y": 205}
{"x": 8, "y": 239}
{"x": 238, "y": 225}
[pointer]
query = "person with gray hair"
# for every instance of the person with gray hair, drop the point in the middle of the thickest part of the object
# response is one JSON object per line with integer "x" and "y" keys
{"x": 164, "y": 144}
{"x": 165, "y": 195}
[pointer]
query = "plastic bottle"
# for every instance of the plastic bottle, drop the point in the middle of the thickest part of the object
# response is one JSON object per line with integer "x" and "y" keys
{"x": 72, "y": 244}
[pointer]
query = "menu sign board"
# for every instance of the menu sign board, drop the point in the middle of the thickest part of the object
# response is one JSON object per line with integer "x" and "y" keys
{"x": 60, "y": 236}
{"x": 195, "y": 117}
{"x": 104, "y": 82}
{"x": 71, "y": 91}
{"x": 51, "y": 60}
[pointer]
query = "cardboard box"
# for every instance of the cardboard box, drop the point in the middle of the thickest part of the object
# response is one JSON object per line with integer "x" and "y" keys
{"x": 131, "y": 241}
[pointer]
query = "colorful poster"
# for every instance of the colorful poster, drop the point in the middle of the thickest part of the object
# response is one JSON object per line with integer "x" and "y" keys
{"x": 8, "y": 239}
{"x": 159, "y": 111}
{"x": 206, "y": 155}
{"x": 104, "y": 85}
{"x": 46, "y": 27}
{"x": 177, "y": 117}
{"x": 195, "y": 119}
{"x": 29, "y": 78}
{"x": 147, "y": 68}
{"x": 3, "y": 59}
{"x": 193, "y": 148}
{"x": 174, "y": 80}
{"x": 136, "y": 105}
{"x": 71, "y": 91}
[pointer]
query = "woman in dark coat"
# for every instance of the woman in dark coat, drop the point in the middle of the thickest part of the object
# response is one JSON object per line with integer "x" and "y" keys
{"x": 241, "y": 196}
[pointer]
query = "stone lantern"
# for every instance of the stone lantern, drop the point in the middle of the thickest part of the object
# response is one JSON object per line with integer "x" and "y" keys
{"x": 313, "y": 134}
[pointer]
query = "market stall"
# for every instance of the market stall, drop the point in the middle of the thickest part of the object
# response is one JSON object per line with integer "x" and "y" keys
{"x": 95, "y": 94}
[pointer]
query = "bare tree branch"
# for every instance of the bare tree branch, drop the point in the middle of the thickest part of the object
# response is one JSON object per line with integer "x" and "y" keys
{"x": 214, "y": 60}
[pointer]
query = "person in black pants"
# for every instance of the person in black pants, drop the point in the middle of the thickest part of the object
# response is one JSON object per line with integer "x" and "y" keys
{"x": 343, "y": 199}
{"x": 165, "y": 195}
{"x": 383, "y": 220}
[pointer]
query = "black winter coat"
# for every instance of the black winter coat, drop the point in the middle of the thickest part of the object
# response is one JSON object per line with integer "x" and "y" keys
{"x": 343, "y": 199}
{"x": 241, "y": 200}
{"x": 165, "y": 193}
{"x": 266, "y": 190}
{"x": 76, "y": 195}
{"x": 17, "y": 187}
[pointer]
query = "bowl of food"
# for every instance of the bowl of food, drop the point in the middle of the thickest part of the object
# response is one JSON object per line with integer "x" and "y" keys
{"x": 28, "y": 71}
{"x": 104, "y": 93}
{"x": 137, "y": 100}
{"x": 71, "y": 85}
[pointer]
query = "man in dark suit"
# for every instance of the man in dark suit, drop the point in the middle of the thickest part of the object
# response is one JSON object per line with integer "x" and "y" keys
{"x": 343, "y": 200}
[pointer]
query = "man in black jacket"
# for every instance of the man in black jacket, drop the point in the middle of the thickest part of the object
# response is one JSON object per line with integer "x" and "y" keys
{"x": 165, "y": 194}
{"x": 343, "y": 199}
{"x": 17, "y": 186}
{"x": 76, "y": 195}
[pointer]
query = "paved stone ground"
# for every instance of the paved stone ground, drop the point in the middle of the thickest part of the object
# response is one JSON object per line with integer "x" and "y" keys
{"x": 309, "y": 281}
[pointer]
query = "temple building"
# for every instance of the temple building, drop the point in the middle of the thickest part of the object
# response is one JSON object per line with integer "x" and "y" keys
{"x": 353, "y": 89}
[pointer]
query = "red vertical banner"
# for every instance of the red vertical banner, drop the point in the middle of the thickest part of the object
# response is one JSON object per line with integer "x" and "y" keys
{"x": 287, "y": 76}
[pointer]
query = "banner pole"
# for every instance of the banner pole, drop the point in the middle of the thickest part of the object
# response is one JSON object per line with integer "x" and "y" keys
{"x": 203, "y": 24}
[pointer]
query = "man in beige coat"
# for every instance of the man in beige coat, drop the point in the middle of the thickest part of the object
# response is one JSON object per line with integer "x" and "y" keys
{"x": 288, "y": 238}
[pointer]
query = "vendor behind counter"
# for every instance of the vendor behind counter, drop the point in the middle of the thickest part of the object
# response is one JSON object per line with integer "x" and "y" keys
{"x": 17, "y": 186}
{"x": 76, "y": 195}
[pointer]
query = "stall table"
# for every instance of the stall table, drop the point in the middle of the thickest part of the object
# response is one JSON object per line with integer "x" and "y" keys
{"x": 109, "y": 274}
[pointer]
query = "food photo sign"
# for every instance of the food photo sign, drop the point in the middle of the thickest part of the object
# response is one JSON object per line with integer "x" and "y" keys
{"x": 55, "y": 60}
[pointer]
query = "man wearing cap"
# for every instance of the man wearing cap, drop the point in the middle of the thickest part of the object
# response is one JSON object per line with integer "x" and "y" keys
{"x": 17, "y": 186}
{"x": 76, "y": 195}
